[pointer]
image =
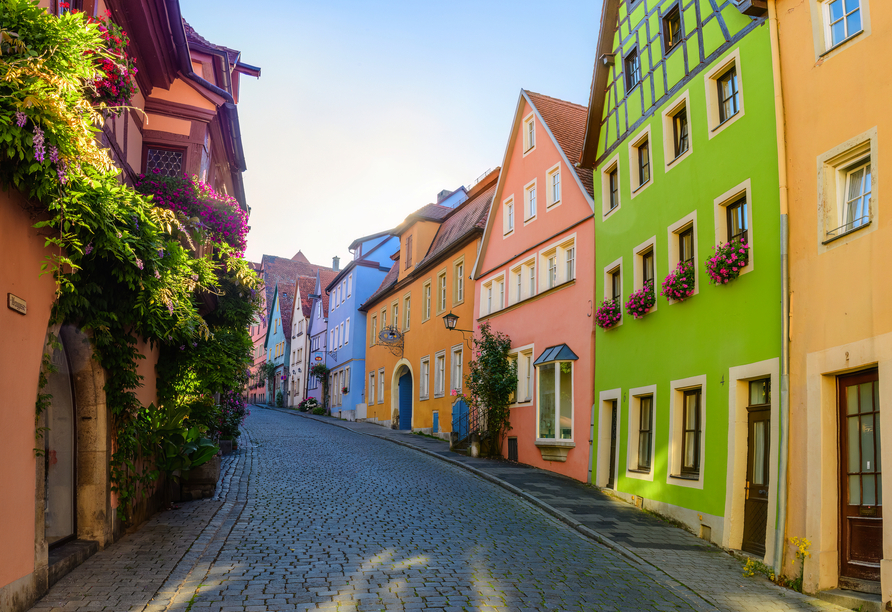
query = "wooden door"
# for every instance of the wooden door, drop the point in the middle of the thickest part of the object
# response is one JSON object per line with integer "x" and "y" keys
{"x": 613, "y": 417}
{"x": 860, "y": 476}
{"x": 758, "y": 475}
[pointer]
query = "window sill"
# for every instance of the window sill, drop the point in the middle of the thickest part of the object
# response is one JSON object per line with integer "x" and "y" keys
{"x": 508, "y": 233}
{"x": 720, "y": 125}
{"x": 554, "y": 450}
{"x": 848, "y": 232}
{"x": 685, "y": 476}
{"x": 841, "y": 43}
{"x": 641, "y": 186}
{"x": 639, "y": 471}
{"x": 678, "y": 157}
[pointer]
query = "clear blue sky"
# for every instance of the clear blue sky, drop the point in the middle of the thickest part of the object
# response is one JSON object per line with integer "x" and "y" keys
{"x": 366, "y": 110}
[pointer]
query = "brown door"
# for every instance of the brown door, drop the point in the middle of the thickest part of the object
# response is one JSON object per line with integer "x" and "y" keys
{"x": 758, "y": 474}
{"x": 860, "y": 476}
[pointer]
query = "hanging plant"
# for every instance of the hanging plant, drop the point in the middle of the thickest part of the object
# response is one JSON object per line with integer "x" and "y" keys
{"x": 679, "y": 285}
{"x": 113, "y": 87}
{"x": 641, "y": 301}
{"x": 609, "y": 313}
{"x": 727, "y": 261}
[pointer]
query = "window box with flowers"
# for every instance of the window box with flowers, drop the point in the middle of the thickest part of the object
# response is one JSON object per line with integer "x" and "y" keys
{"x": 727, "y": 261}
{"x": 641, "y": 301}
{"x": 345, "y": 390}
{"x": 114, "y": 87}
{"x": 609, "y": 313}
{"x": 679, "y": 285}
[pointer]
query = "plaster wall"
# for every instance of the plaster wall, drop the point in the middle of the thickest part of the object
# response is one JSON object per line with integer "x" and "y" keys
{"x": 840, "y": 294}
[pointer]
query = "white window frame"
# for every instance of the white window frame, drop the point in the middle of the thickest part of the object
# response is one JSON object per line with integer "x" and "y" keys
{"x": 458, "y": 281}
{"x": 526, "y": 379}
{"x": 515, "y": 285}
{"x": 720, "y": 215}
{"x": 828, "y": 23}
{"x": 349, "y": 284}
{"x": 381, "y": 386}
{"x": 636, "y": 187}
{"x": 672, "y": 109}
{"x": 529, "y": 134}
{"x": 638, "y": 274}
{"x": 557, "y": 409}
{"x": 635, "y": 396}
{"x": 606, "y": 169}
{"x": 372, "y": 388}
{"x": 530, "y": 202}
{"x": 407, "y": 304}
{"x": 490, "y": 292}
{"x": 440, "y": 374}
{"x": 456, "y": 366}
{"x": 530, "y": 281}
{"x": 426, "y": 298}
{"x": 442, "y": 292}
{"x": 710, "y": 79}
{"x": 672, "y": 236}
{"x": 550, "y": 175}
{"x": 676, "y": 414}
{"x": 424, "y": 379}
{"x": 347, "y": 331}
{"x": 509, "y": 216}
{"x": 824, "y": 48}
{"x": 373, "y": 336}
{"x": 607, "y": 288}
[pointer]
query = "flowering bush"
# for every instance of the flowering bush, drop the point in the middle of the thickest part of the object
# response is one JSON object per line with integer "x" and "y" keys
{"x": 679, "y": 285}
{"x": 114, "y": 86}
{"x": 608, "y": 314}
{"x": 345, "y": 390}
{"x": 641, "y": 301}
{"x": 233, "y": 413}
{"x": 727, "y": 261}
{"x": 218, "y": 214}
{"x": 308, "y": 404}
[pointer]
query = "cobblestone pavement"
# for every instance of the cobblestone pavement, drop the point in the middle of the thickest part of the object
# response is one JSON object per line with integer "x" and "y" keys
{"x": 311, "y": 516}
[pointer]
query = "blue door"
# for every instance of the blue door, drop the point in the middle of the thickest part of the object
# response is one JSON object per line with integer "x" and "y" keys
{"x": 406, "y": 401}
{"x": 460, "y": 423}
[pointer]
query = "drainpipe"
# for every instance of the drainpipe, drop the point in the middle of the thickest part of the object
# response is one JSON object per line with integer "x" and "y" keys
{"x": 783, "y": 447}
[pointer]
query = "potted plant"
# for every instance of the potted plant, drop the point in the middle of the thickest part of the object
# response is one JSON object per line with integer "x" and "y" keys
{"x": 679, "y": 285}
{"x": 641, "y": 301}
{"x": 608, "y": 314}
{"x": 345, "y": 390}
{"x": 727, "y": 261}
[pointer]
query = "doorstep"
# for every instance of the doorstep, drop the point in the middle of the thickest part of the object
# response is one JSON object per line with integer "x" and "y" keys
{"x": 68, "y": 556}
{"x": 853, "y": 600}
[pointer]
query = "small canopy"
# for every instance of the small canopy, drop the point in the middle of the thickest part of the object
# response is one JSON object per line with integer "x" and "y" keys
{"x": 561, "y": 352}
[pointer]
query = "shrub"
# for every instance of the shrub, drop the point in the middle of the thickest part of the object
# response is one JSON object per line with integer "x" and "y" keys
{"x": 679, "y": 285}
{"x": 608, "y": 314}
{"x": 319, "y": 410}
{"x": 308, "y": 404}
{"x": 280, "y": 399}
{"x": 727, "y": 261}
{"x": 641, "y": 301}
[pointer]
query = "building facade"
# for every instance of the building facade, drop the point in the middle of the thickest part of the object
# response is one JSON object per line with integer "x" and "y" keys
{"x": 318, "y": 331}
{"x": 413, "y": 363}
{"x": 682, "y": 136}
{"x": 534, "y": 281}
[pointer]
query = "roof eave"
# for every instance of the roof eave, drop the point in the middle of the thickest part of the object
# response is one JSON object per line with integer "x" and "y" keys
{"x": 597, "y": 96}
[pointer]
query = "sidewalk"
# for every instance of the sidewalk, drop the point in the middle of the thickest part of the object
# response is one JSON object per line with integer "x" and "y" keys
{"x": 706, "y": 570}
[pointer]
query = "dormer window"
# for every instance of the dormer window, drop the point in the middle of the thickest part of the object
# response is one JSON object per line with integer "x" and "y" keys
{"x": 529, "y": 133}
{"x": 408, "y": 252}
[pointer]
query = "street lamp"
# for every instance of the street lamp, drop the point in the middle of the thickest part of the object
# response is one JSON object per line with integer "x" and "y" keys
{"x": 450, "y": 320}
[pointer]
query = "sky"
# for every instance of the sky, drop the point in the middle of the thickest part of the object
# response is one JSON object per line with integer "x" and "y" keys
{"x": 364, "y": 111}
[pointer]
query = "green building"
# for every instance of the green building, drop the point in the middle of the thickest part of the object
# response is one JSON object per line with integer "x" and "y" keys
{"x": 681, "y": 134}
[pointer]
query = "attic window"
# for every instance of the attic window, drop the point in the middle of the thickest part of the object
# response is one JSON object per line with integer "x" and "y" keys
{"x": 672, "y": 29}
{"x": 632, "y": 67}
{"x": 166, "y": 162}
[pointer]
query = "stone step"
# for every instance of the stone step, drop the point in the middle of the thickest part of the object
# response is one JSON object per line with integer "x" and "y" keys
{"x": 853, "y": 600}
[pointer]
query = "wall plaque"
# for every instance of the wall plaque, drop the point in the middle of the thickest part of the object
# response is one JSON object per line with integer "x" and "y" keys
{"x": 16, "y": 303}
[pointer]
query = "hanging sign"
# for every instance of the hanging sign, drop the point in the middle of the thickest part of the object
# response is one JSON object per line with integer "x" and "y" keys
{"x": 16, "y": 303}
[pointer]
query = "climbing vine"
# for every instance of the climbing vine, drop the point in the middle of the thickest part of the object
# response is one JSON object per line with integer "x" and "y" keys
{"x": 125, "y": 268}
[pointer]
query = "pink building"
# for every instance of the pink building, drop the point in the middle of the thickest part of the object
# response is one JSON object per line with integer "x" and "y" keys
{"x": 535, "y": 282}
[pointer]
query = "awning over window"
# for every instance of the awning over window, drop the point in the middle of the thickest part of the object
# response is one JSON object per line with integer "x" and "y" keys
{"x": 561, "y": 352}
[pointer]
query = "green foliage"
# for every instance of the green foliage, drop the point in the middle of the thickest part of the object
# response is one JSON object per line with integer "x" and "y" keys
{"x": 121, "y": 266}
{"x": 319, "y": 410}
{"x": 280, "y": 399}
{"x": 321, "y": 371}
{"x": 491, "y": 381}
{"x": 308, "y": 404}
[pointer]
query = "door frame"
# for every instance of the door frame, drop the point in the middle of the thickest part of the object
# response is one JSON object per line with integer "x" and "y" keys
{"x": 605, "y": 404}
{"x": 395, "y": 374}
{"x": 74, "y": 453}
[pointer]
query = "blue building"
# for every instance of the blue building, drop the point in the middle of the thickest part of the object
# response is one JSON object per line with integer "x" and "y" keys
{"x": 318, "y": 331}
{"x": 346, "y": 332}
{"x": 278, "y": 339}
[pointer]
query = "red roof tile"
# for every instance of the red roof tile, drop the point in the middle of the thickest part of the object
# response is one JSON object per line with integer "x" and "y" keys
{"x": 281, "y": 271}
{"x": 567, "y": 122}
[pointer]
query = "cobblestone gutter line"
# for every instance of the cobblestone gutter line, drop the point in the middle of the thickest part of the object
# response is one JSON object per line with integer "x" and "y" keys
{"x": 706, "y": 574}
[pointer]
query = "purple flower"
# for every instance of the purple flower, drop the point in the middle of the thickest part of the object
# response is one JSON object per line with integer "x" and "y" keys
{"x": 39, "y": 148}
{"x": 157, "y": 274}
{"x": 88, "y": 249}
{"x": 170, "y": 308}
{"x": 20, "y": 118}
{"x": 61, "y": 169}
{"x": 139, "y": 263}
{"x": 183, "y": 347}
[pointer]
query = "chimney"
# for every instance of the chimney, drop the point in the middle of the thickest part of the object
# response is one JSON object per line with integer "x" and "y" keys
{"x": 335, "y": 263}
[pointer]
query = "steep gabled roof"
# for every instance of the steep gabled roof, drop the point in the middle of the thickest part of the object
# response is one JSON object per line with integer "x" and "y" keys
{"x": 567, "y": 123}
{"x": 304, "y": 287}
{"x": 279, "y": 270}
{"x": 286, "y": 306}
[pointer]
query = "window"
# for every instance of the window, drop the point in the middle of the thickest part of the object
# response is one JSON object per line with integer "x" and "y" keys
{"x": 647, "y": 267}
{"x": 319, "y": 310}
{"x": 347, "y": 330}
{"x": 570, "y": 263}
{"x": 842, "y": 19}
{"x": 530, "y": 201}
{"x": 439, "y": 374}
{"x": 690, "y": 442}
{"x": 729, "y": 103}
{"x": 643, "y": 163}
{"x": 456, "y": 368}
{"x": 383, "y": 318}
{"x": 501, "y": 284}
{"x": 371, "y": 391}
{"x": 523, "y": 359}
{"x": 488, "y": 290}
{"x": 680, "y": 131}
{"x": 424, "y": 388}
{"x": 610, "y": 194}
{"x": 168, "y": 162}
{"x": 509, "y": 217}
{"x": 847, "y": 179}
{"x": 381, "y": 386}
{"x": 349, "y": 284}
{"x": 555, "y": 404}
{"x": 426, "y": 300}
{"x": 396, "y": 315}
{"x": 671, "y": 29}
{"x": 552, "y": 271}
{"x": 632, "y": 67}
{"x": 553, "y": 185}
{"x": 686, "y": 244}
{"x": 531, "y": 275}
{"x": 458, "y": 282}
{"x": 408, "y": 251}
{"x": 856, "y": 198}
{"x": 737, "y": 220}
{"x": 616, "y": 288}
{"x": 645, "y": 432}
{"x": 529, "y": 134}
{"x": 441, "y": 292}
{"x": 613, "y": 177}
{"x": 373, "y": 337}
{"x": 406, "y": 313}
{"x": 516, "y": 288}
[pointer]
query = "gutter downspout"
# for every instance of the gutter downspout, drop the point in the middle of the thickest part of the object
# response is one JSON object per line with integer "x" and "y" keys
{"x": 175, "y": 20}
{"x": 784, "y": 443}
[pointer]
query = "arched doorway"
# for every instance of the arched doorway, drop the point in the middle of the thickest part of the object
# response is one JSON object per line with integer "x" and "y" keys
{"x": 60, "y": 454}
{"x": 405, "y": 386}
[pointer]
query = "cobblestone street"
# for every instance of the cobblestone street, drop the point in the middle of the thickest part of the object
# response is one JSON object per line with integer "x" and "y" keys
{"x": 311, "y": 516}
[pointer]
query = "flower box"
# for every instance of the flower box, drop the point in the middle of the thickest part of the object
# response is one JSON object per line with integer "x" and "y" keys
{"x": 679, "y": 285}
{"x": 641, "y": 301}
{"x": 609, "y": 313}
{"x": 727, "y": 261}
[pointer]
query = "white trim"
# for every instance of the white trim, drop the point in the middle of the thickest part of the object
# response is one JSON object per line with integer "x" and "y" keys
{"x": 549, "y": 187}
{"x": 424, "y": 379}
{"x": 635, "y": 142}
{"x": 606, "y": 213}
{"x": 635, "y": 396}
{"x": 605, "y": 399}
{"x": 824, "y": 49}
{"x": 637, "y": 272}
{"x": 528, "y": 215}
{"x": 557, "y": 403}
{"x": 669, "y": 159}
{"x": 676, "y": 413}
{"x": 710, "y": 81}
{"x": 439, "y": 392}
{"x": 672, "y": 235}
{"x": 721, "y": 219}
{"x": 530, "y": 351}
{"x": 527, "y": 147}
{"x": 506, "y": 231}
{"x": 607, "y": 282}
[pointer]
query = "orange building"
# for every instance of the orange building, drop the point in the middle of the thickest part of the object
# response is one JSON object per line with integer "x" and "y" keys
{"x": 412, "y": 361}
{"x": 831, "y": 57}
{"x": 54, "y": 509}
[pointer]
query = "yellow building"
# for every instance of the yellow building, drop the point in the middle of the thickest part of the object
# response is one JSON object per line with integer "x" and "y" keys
{"x": 836, "y": 88}
{"x": 413, "y": 363}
